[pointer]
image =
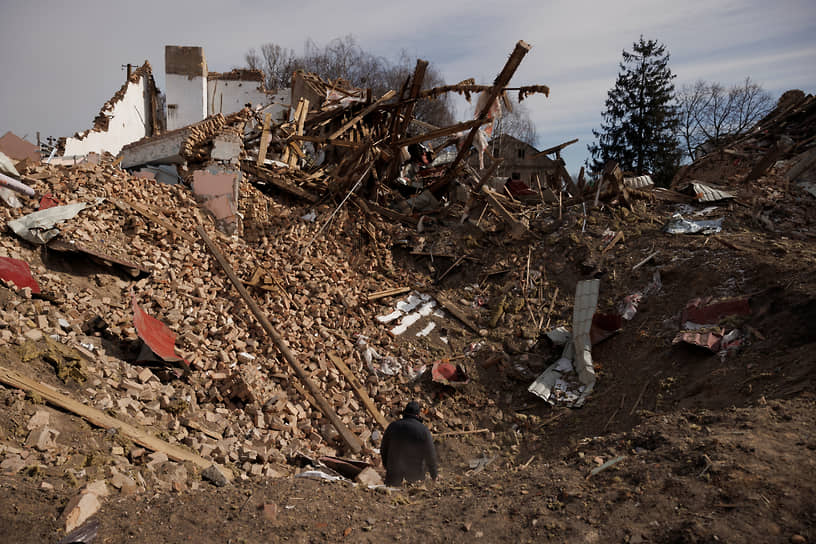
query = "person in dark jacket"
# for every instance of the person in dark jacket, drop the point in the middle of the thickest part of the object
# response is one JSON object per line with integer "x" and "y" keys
{"x": 407, "y": 449}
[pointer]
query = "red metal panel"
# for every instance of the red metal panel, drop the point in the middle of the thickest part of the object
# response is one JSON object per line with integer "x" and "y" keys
{"x": 704, "y": 311}
{"x": 17, "y": 271}
{"x": 158, "y": 336}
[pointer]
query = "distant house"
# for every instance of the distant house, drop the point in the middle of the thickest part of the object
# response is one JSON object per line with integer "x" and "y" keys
{"x": 520, "y": 160}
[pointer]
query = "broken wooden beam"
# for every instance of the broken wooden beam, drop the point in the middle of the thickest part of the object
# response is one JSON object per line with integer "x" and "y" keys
{"x": 277, "y": 181}
{"x": 359, "y": 389}
{"x": 500, "y": 82}
{"x": 416, "y": 86}
{"x": 394, "y": 291}
{"x": 101, "y": 419}
{"x": 350, "y": 439}
{"x": 441, "y": 132}
{"x": 266, "y": 135}
{"x": 517, "y": 228}
{"x": 357, "y": 118}
{"x": 457, "y": 313}
{"x": 554, "y": 149}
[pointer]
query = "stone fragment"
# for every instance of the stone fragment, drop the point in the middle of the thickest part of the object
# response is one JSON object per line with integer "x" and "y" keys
{"x": 39, "y": 419}
{"x": 42, "y": 439}
{"x": 215, "y": 475}
{"x": 84, "y": 505}
{"x": 369, "y": 476}
{"x": 156, "y": 459}
{"x": 12, "y": 464}
{"x": 33, "y": 334}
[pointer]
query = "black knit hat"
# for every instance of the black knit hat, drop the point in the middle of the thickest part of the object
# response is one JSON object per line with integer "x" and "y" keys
{"x": 411, "y": 409}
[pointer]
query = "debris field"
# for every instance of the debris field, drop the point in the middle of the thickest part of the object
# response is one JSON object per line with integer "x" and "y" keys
{"x": 217, "y": 357}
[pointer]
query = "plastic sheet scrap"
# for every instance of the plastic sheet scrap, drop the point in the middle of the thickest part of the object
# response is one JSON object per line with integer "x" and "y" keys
{"x": 40, "y": 227}
{"x": 18, "y": 272}
{"x": 679, "y": 225}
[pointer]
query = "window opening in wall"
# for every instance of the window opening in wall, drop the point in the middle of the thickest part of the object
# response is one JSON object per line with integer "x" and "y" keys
{"x": 521, "y": 153}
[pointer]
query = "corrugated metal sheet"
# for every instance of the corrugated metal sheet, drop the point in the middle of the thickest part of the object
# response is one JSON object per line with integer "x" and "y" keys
{"x": 706, "y": 193}
{"x": 638, "y": 182}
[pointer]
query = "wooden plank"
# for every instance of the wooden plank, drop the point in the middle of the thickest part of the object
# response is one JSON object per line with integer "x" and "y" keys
{"x": 351, "y": 440}
{"x": 266, "y": 135}
{"x": 323, "y": 140}
{"x": 441, "y": 132}
{"x": 155, "y": 217}
{"x": 388, "y": 213}
{"x": 517, "y": 227}
{"x": 457, "y": 313}
{"x": 354, "y": 120}
{"x": 554, "y": 149}
{"x": 277, "y": 181}
{"x": 358, "y": 388}
{"x": 103, "y": 420}
{"x": 416, "y": 87}
{"x": 489, "y": 173}
{"x": 388, "y": 293}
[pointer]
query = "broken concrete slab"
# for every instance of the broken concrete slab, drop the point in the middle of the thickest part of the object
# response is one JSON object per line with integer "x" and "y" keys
{"x": 86, "y": 504}
{"x": 42, "y": 439}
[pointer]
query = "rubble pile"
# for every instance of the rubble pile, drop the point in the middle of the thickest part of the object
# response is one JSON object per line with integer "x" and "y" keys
{"x": 387, "y": 270}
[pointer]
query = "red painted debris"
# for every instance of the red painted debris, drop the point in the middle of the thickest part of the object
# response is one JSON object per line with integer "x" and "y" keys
{"x": 709, "y": 340}
{"x": 518, "y": 188}
{"x": 704, "y": 311}
{"x": 158, "y": 336}
{"x": 604, "y": 326}
{"x": 48, "y": 201}
{"x": 18, "y": 272}
{"x": 449, "y": 374}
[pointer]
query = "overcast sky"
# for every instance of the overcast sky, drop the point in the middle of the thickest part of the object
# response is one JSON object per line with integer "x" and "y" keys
{"x": 61, "y": 61}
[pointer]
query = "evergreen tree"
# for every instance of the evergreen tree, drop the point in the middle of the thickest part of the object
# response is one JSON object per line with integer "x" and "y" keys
{"x": 641, "y": 118}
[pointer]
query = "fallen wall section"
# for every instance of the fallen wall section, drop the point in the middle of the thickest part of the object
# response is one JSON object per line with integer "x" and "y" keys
{"x": 186, "y": 82}
{"x": 128, "y": 116}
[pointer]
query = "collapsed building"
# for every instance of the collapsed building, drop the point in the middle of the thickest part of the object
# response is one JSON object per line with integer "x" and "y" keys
{"x": 121, "y": 275}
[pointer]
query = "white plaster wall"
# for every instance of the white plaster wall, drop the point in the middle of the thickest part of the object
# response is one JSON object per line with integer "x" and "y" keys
{"x": 189, "y": 95}
{"x": 229, "y": 96}
{"x": 128, "y": 123}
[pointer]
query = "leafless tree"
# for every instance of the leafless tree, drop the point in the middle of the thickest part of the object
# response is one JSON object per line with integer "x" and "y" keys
{"x": 276, "y": 62}
{"x": 517, "y": 122}
{"x": 711, "y": 114}
{"x": 344, "y": 58}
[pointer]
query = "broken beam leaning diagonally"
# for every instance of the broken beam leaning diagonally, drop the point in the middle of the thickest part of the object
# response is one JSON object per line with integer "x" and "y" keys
{"x": 348, "y": 437}
{"x": 522, "y": 48}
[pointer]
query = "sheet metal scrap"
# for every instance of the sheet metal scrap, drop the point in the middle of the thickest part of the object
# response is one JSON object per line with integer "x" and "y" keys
{"x": 41, "y": 226}
{"x": 638, "y": 182}
{"x": 18, "y": 272}
{"x": 158, "y": 336}
{"x": 706, "y": 193}
{"x": 679, "y": 225}
{"x": 571, "y": 378}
